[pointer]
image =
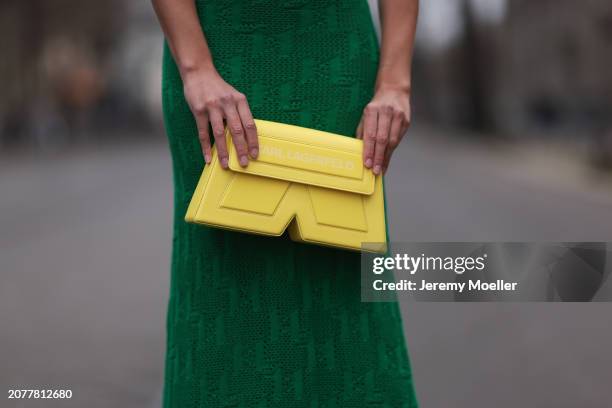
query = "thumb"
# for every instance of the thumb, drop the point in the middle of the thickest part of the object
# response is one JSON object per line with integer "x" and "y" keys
{"x": 204, "y": 136}
{"x": 359, "y": 133}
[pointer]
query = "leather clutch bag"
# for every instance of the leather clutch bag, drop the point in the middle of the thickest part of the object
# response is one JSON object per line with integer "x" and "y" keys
{"x": 311, "y": 182}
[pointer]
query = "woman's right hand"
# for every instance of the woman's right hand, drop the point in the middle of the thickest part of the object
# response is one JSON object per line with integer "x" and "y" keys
{"x": 212, "y": 100}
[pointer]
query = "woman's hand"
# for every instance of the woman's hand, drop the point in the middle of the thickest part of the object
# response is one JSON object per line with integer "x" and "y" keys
{"x": 387, "y": 117}
{"x": 212, "y": 100}
{"x": 384, "y": 122}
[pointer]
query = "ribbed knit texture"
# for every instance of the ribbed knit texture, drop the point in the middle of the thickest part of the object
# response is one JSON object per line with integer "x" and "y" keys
{"x": 257, "y": 322}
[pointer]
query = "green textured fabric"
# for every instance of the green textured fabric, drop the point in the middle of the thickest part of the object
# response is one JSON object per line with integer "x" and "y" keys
{"x": 265, "y": 322}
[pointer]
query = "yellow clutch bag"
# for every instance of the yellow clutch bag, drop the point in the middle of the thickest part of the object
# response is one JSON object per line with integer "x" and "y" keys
{"x": 309, "y": 181}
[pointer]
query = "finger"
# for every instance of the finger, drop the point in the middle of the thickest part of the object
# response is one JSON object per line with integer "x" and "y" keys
{"x": 406, "y": 121}
{"x": 370, "y": 118}
{"x": 237, "y": 132}
{"x": 405, "y": 127}
{"x": 382, "y": 139}
{"x": 359, "y": 132}
{"x": 216, "y": 121}
{"x": 396, "y": 131}
{"x": 387, "y": 161}
{"x": 395, "y": 137}
{"x": 204, "y": 136}
{"x": 246, "y": 117}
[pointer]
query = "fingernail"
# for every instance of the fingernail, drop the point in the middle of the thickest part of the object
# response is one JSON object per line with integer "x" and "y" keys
{"x": 207, "y": 159}
{"x": 244, "y": 161}
{"x": 224, "y": 163}
{"x": 377, "y": 169}
{"x": 368, "y": 163}
{"x": 254, "y": 153}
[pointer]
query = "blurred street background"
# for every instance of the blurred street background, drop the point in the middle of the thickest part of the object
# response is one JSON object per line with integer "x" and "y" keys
{"x": 512, "y": 141}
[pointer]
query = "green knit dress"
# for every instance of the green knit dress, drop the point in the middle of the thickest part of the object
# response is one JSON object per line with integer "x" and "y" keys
{"x": 258, "y": 322}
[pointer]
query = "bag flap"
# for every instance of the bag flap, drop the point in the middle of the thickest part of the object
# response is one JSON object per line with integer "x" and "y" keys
{"x": 307, "y": 156}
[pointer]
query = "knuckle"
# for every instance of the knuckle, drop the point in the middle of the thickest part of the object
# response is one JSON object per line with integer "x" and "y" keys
{"x": 212, "y": 102}
{"x": 250, "y": 125}
{"x": 236, "y": 130}
{"x": 199, "y": 107}
{"x": 218, "y": 132}
{"x": 225, "y": 98}
{"x": 240, "y": 97}
{"x": 382, "y": 140}
{"x": 370, "y": 108}
{"x": 370, "y": 135}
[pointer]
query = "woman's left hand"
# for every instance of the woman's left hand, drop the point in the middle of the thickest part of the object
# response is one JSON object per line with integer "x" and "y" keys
{"x": 384, "y": 122}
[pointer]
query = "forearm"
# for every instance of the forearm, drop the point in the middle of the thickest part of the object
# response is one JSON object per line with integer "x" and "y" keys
{"x": 181, "y": 26}
{"x": 399, "y": 19}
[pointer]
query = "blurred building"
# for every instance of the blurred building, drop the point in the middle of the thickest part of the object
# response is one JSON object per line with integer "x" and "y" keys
{"x": 538, "y": 66}
{"x": 554, "y": 65}
{"x": 56, "y": 63}
{"x": 73, "y": 69}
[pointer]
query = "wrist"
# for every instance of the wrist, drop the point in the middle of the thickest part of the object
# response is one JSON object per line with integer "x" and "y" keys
{"x": 195, "y": 68}
{"x": 393, "y": 78}
{"x": 404, "y": 86}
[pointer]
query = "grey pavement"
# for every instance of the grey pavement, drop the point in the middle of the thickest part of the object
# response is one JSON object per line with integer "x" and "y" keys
{"x": 84, "y": 254}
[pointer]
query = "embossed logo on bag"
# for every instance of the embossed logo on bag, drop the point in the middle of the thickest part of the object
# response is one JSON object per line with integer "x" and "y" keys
{"x": 287, "y": 154}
